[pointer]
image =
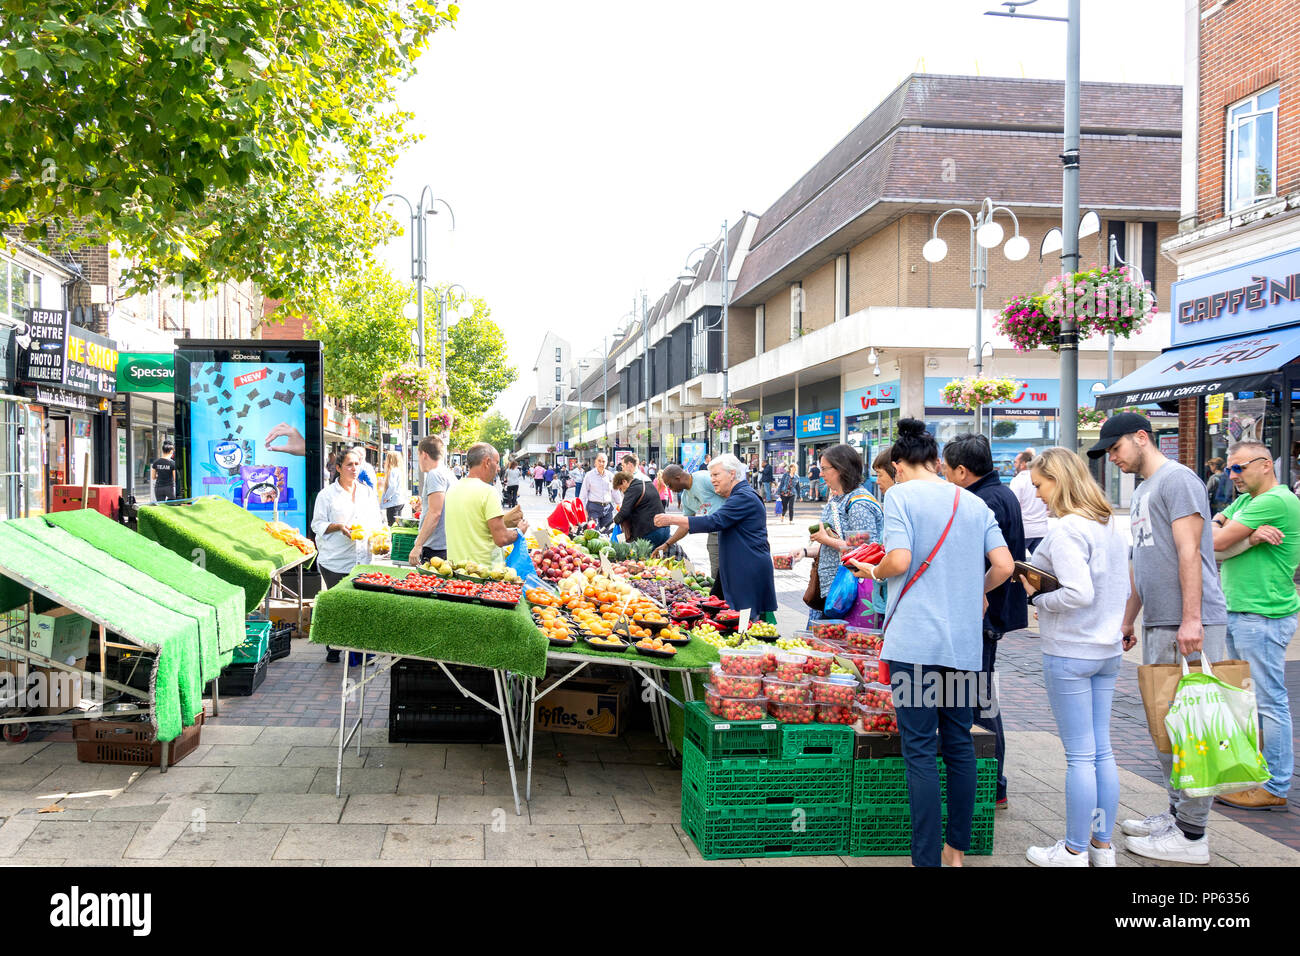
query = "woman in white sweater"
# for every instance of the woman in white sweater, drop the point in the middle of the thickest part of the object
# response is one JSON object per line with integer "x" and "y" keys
{"x": 1080, "y": 628}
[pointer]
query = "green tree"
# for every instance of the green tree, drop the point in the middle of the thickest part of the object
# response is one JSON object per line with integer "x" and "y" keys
{"x": 478, "y": 367}
{"x": 364, "y": 333}
{"x": 242, "y": 140}
{"x": 495, "y": 430}
{"x": 465, "y": 433}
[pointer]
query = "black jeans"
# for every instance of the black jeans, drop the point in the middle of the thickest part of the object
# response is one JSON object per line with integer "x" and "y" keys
{"x": 992, "y": 723}
{"x": 601, "y": 512}
{"x": 787, "y": 507}
{"x": 392, "y": 513}
{"x": 427, "y": 552}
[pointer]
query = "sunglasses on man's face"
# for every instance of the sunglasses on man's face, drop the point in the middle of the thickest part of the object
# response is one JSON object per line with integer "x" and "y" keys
{"x": 1238, "y": 469}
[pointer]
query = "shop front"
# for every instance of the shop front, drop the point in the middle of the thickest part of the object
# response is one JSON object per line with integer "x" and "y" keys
{"x": 146, "y": 417}
{"x": 815, "y": 434}
{"x": 1029, "y": 419}
{"x": 1235, "y": 338}
{"x": 871, "y": 418}
{"x": 778, "y": 439}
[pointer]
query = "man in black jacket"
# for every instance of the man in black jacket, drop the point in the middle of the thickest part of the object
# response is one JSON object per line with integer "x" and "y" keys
{"x": 969, "y": 463}
{"x": 641, "y": 502}
{"x": 765, "y": 480}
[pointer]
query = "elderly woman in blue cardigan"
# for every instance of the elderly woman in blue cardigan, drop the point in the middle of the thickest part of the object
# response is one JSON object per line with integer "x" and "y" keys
{"x": 744, "y": 558}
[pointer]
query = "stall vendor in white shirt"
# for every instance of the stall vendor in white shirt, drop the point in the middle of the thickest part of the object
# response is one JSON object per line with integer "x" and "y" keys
{"x": 343, "y": 504}
{"x": 598, "y": 494}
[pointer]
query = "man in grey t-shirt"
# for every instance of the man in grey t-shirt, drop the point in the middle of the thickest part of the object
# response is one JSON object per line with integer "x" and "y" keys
{"x": 1176, "y": 587}
{"x": 431, "y": 542}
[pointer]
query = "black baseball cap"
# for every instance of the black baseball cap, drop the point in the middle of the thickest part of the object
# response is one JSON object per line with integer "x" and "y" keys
{"x": 1115, "y": 428}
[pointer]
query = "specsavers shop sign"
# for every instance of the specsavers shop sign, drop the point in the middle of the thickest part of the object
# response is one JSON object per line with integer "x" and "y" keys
{"x": 1257, "y": 295}
{"x": 146, "y": 372}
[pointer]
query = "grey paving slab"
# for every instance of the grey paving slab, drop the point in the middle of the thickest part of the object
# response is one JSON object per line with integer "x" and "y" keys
{"x": 531, "y": 842}
{"x": 363, "y": 780}
{"x": 654, "y": 809}
{"x": 181, "y": 780}
{"x": 112, "y": 801}
{"x": 132, "y": 813}
{"x": 663, "y": 781}
{"x": 421, "y": 756}
{"x": 575, "y": 862}
{"x": 640, "y": 841}
{"x": 14, "y": 833}
{"x": 294, "y": 808}
{"x": 57, "y": 752}
{"x": 29, "y": 862}
{"x": 56, "y": 811}
{"x": 562, "y": 809}
{"x": 468, "y": 757}
{"x": 206, "y": 807}
{"x": 438, "y": 842}
{"x": 245, "y": 755}
{"x": 873, "y": 861}
{"x": 370, "y": 736}
{"x": 298, "y": 736}
{"x": 15, "y": 801}
{"x": 1016, "y": 836}
{"x": 311, "y": 841}
{"x": 78, "y": 841}
{"x": 23, "y": 776}
{"x": 87, "y": 778}
{"x": 215, "y": 732}
{"x": 497, "y": 782}
{"x": 416, "y": 780}
{"x": 483, "y": 810}
{"x": 503, "y": 863}
{"x": 392, "y": 808}
{"x": 324, "y": 757}
{"x": 643, "y": 758}
{"x": 269, "y": 780}
{"x": 380, "y": 862}
{"x": 607, "y": 781}
{"x": 153, "y": 840}
{"x": 19, "y": 753}
{"x": 229, "y": 843}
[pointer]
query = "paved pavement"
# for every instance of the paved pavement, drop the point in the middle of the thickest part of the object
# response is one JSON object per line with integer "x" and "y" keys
{"x": 259, "y": 789}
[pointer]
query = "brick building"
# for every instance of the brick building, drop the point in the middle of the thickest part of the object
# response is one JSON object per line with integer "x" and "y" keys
{"x": 1235, "y": 309}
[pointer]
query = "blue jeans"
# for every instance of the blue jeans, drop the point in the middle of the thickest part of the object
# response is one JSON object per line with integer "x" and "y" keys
{"x": 1262, "y": 642}
{"x": 1080, "y": 692}
{"x": 917, "y": 726}
{"x": 767, "y": 490}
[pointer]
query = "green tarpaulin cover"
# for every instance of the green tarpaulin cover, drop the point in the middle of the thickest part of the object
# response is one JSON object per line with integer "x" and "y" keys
{"x": 232, "y": 543}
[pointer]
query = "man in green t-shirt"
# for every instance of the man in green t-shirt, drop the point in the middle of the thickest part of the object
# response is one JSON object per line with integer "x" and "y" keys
{"x": 475, "y": 519}
{"x": 1259, "y": 537}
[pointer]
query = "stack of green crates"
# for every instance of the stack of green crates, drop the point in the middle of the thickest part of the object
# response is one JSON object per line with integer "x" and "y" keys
{"x": 761, "y": 788}
{"x": 882, "y": 818}
{"x": 402, "y": 539}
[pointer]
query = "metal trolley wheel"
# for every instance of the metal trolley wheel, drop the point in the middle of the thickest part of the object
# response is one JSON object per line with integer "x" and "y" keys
{"x": 16, "y": 733}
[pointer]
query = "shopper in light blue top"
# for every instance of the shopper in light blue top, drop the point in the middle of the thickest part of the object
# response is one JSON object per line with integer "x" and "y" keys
{"x": 934, "y": 637}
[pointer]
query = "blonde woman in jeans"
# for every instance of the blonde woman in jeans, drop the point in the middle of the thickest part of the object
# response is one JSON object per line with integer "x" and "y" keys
{"x": 1080, "y": 628}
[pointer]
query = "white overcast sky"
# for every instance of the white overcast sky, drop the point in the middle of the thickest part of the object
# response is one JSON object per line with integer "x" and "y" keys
{"x": 587, "y": 147}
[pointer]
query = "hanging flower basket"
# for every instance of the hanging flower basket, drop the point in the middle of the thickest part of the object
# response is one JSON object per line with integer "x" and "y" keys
{"x": 968, "y": 394}
{"x": 1090, "y": 417}
{"x": 443, "y": 421}
{"x": 1100, "y": 301}
{"x": 727, "y": 417}
{"x": 407, "y": 386}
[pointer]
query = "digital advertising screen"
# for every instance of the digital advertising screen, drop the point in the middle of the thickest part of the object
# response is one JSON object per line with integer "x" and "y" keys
{"x": 251, "y": 426}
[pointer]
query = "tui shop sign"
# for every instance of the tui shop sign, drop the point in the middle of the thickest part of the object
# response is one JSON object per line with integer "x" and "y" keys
{"x": 146, "y": 371}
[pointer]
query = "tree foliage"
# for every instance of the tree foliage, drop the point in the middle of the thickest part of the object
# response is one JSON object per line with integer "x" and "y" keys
{"x": 465, "y": 433}
{"x": 478, "y": 365}
{"x": 250, "y": 139}
{"x": 495, "y": 430}
{"x": 364, "y": 333}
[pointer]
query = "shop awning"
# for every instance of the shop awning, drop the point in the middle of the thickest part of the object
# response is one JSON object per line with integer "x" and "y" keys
{"x": 1245, "y": 363}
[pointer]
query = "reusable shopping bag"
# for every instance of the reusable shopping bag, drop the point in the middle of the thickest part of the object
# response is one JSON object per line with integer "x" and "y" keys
{"x": 1214, "y": 730}
{"x": 1158, "y": 682}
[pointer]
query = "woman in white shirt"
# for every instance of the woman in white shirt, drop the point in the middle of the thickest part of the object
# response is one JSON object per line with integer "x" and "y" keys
{"x": 1080, "y": 628}
{"x": 340, "y": 506}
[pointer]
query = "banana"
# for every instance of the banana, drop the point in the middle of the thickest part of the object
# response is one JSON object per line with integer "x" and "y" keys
{"x": 603, "y": 723}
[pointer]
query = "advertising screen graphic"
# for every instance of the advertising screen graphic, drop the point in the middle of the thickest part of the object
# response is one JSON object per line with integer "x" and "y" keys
{"x": 247, "y": 426}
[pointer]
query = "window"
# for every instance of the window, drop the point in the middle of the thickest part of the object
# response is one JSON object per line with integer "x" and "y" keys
{"x": 558, "y": 359}
{"x": 557, "y": 373}
{"x": 1252, "y": 149}
{"x": 19, "y": 289}
{"x": 796, "y": 310}
{"x": 557, "y": 394}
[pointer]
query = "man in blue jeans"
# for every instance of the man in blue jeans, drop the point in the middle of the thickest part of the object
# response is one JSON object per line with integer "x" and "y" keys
{"x": 1261, "y": 530}
{"x": 969, "y": 460}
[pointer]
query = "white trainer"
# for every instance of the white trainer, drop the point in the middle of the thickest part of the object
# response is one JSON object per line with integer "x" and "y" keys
{"x": 1101, "y": 856}
{"x": 1056, "y": 855}
{"x": 1171, "y": 846}
{"x": 1156, "y": 823}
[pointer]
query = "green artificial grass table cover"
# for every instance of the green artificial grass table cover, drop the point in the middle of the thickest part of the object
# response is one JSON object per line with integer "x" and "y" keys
{"x": 167, "y": 567}
{"x": 428, "y": 627}
{"x": 695, "y": 655}
{"x": 234, "y": 543}
{"x": 32, "y": 550}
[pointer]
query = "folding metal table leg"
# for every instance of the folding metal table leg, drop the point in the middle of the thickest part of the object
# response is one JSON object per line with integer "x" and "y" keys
{"x": 505, "y": 727}
{"x": 343, "y": 729}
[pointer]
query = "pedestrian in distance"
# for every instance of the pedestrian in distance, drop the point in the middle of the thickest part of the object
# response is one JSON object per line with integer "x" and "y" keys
{"x": 883, "y": 468}
{"x": 1033, "y": 513}
{"x": 765, "y": 480}
{"x": 163, "y": 472}
{"x": 1082, "y": 649}
{"x": 435, "y": 480}
{"x": 346, "y": 504}
{"x": 933, "y": 636}
{"x": 786, "y": 491}
{"x": 597, "y": 495}
{"x": 1259, "y": 536}
{"x": 1221, "y": 489}
{"x": 1175, "y": 585}
{"x": 393, "y": 495}
{"x": 814, "y": 482}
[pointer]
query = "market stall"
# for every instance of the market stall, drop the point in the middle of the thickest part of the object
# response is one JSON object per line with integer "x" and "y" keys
{"x": 414, "y": 625}
{"x": 235, "y": 545}
{"x": 119, "y": 583}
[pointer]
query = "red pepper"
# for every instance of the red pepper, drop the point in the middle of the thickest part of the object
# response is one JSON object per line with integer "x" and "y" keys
{"x": 866, "y": 554}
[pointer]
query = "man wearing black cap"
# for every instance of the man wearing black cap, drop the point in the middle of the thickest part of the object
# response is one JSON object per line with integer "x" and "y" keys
{"x": 1176, "y": 587}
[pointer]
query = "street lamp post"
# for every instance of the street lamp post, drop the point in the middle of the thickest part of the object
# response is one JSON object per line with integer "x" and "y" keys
{"x": 442, "y": 336}
{"x": 985, "y": 234}
{"x": 420, "y": 262}
{"x": 688, "y": 275}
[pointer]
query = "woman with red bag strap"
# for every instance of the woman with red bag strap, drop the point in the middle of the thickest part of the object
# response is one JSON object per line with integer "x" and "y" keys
{"x": 934, "y": 533}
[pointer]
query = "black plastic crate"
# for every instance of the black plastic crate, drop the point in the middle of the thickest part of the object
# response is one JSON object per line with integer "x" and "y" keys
{"x": 281, "y": 641}
{"x": 240, "y": 680}
{"x": 416, "y": 683}
{"x": 876, "y": 746}
{"x": 443, "y": 724}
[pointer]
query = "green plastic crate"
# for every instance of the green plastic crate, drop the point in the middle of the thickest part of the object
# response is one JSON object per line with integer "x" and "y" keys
{"x": 817, "y": 740}
{"x": 887, "y": 831}
{"x": 883, "y": 781}
{"x": 760, "y": 781}
{"x": 400, "y": 547}
{"x": 256, "y": 645}
{"x": 728, "y": 832}
{"x": 719, "y": 739}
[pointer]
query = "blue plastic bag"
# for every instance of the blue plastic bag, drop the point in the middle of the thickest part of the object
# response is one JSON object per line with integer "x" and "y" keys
{"x": 518, "y": 559}
{"x": 616, "y": 532}
{"x": 842, "y": 595}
